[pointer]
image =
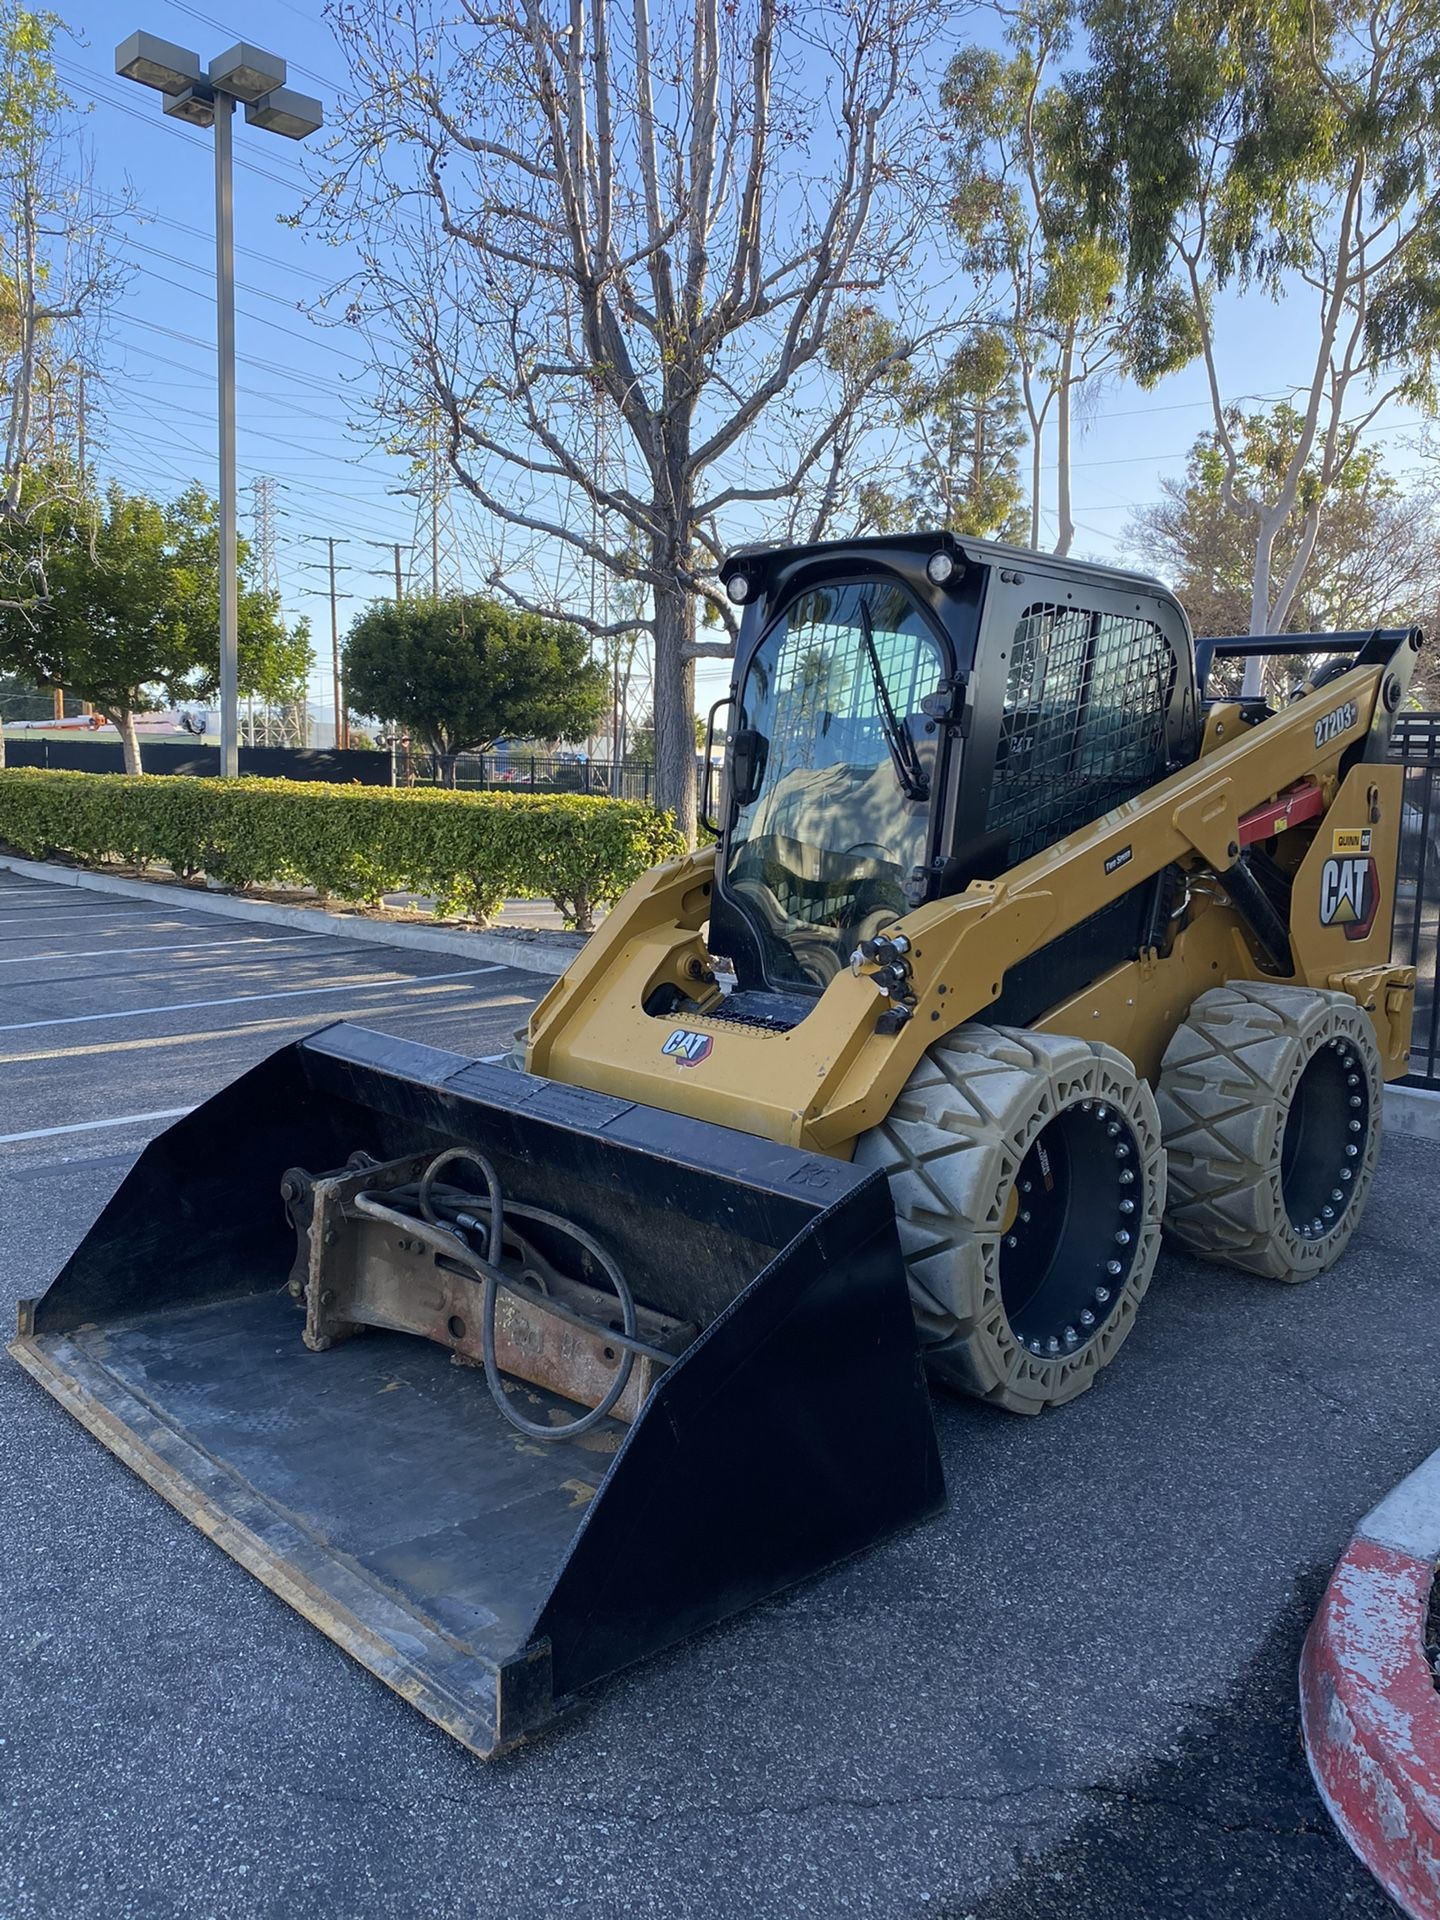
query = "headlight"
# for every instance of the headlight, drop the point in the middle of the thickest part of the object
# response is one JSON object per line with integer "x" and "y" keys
{"x": 940, "y": 569}
{"x": 738, "y": 588}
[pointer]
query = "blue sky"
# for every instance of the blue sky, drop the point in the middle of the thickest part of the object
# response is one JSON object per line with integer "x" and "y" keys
{"x": 301, "y": 405}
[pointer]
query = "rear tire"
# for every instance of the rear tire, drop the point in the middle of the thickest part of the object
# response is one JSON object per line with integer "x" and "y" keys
{"x": 1029, "y": 1181}
{"x": 1270, "y": 1098}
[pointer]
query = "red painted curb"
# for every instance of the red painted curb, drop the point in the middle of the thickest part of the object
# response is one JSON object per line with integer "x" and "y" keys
{"x": 1369, "y": 1708}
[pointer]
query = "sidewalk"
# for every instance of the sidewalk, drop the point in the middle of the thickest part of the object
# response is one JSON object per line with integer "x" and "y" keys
{"x": 1369, "y": 1706}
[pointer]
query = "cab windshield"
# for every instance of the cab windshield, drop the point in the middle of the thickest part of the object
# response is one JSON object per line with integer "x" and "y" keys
{"x": 819, "y": 857}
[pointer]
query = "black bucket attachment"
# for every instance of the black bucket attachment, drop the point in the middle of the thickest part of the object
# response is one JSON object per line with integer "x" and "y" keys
{"x": 777, "y": 1414}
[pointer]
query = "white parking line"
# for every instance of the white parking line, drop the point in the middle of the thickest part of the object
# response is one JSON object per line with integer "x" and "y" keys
{"x": 244, "y": 999}
{"x": 90, "y": 1126}
{"x": 184, "y": 946}
{"x": 166, "y": 915}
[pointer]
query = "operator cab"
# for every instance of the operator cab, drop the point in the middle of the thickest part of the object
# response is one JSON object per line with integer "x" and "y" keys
{"x": 909, "y": 715}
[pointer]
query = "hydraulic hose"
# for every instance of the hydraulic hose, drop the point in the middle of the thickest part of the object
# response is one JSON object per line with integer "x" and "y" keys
{"x": 447, "y": 1237}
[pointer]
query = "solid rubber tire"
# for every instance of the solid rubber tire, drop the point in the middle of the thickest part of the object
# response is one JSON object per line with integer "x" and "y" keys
{"x": 1226, "y": 1088}
{"x": 952, "y": 1146}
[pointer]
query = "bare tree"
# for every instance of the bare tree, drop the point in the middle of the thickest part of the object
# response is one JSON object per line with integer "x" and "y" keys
{"x": 661, "y": 209}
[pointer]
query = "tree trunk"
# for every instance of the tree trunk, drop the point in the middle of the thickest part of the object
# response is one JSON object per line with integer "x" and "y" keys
{"x": 1034, "y": 485}
{"x": 2, "y": 743}
{"x": 124, "y": 725}
{"x": 675, "y": 707}
{"x": 1252, "y": 685}
{"x": 1065, "y": 530}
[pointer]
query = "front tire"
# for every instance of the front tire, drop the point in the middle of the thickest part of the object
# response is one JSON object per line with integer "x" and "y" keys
{"x": 1029, "y": 1181}
{"x": 1270, "y": 1098}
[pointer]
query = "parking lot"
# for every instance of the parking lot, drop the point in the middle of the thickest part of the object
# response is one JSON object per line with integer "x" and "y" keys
{"x": 1074, "y": 1694}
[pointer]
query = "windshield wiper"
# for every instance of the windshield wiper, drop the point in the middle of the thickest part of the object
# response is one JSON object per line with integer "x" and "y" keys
{"x": 898, "y": 738}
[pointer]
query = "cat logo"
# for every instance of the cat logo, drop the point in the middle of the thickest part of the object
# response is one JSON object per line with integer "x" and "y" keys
{"x": 688, "y": 1049}
{"x": 1350, "y": 895}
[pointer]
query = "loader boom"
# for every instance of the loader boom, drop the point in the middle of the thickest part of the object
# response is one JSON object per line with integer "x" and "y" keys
{"x": 823, "y": 1082}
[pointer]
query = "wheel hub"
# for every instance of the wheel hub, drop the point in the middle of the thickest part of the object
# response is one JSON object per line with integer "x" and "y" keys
{"x": 1071, "y": 1231}
{"x": 1325, "y": 1133}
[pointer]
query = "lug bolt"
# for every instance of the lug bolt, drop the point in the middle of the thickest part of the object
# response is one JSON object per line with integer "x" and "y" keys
{"x": 1347, "y": 1173}
{"x": 1024, "y": 1186}
{"x": 1052, "y": 1345}
{"x": 1352, "y": 1080}
{"x": 1102, "y": 1294}
{"x": 1354, "y": 1126}
{"x": 1122, "y": 1238}
{"x": 1327, "y": 1213}
{"x": 1127, "y": 1178}
{"x": 1025, "y": 1216}
{"x": 1086, "y": 1106}
{"x": 1122, "y": 1152}
{"x": 1102, "y": 1112}
{"x": 1127, "y": 1206}
{"x": 1087, "y": 1318}
{"x": 1338, "y": 1194}
{"x": 1113, "y": 1129}
{"x": 1351, "y": 1153}
{"x": 1011, "y": 1241}
{"x": 1071, "y": 1336}
{"x": 1356, "y": 1101}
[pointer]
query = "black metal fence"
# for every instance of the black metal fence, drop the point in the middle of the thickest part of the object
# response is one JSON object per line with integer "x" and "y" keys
{"x": 1417, "y": 902}
{"x": 521, "y": 772}
{"x": 82, "y": 755}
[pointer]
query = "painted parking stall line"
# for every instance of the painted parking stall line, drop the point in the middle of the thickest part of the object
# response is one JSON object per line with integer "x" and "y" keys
{"x": 95, "y": 1126}
{"x": 246, "y": 999}
{"x": 200, "y": 948}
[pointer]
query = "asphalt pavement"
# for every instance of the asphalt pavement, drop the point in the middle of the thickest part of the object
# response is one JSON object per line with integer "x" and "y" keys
{"x": 1072, "y": 1695}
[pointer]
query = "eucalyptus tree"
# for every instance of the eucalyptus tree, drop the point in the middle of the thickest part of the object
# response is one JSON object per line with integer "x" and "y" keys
{"x": 1376, "y": 556}
{"x": 1289, "y": 150}
{"x": 607, "y": 242}
{"x": 1058, "y": 282}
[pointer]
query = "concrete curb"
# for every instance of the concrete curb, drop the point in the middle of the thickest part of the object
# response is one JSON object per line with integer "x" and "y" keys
{"x": 1412, "y": 1110}
{"x": 1369, "y": 1708}
{"x": 546, "y": 957}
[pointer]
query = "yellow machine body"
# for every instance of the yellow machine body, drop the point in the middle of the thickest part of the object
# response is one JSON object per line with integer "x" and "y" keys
{"x": 831, "y": 1078}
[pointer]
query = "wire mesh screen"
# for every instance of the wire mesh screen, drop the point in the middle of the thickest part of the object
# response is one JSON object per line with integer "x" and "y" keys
{"x": 1083, "y": 725}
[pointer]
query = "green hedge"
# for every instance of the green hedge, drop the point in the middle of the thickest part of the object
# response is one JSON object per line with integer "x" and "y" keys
{"x": 471, "y": 850}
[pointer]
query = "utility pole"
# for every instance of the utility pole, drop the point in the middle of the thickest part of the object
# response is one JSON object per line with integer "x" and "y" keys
{"x": 342, "y": 725}
{"x": 80, "y": 426}
{"x": 332, "y": 567}
{"x": 399, "y": 583}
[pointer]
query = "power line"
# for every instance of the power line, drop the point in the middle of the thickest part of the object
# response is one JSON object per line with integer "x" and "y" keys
{"x": 293, "y": 66}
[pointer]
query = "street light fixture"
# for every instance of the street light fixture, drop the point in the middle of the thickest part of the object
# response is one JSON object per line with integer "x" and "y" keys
{"x": 257, "y": 78}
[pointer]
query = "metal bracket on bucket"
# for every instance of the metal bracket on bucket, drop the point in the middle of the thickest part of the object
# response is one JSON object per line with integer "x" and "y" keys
{"x": 353, "y": 1271}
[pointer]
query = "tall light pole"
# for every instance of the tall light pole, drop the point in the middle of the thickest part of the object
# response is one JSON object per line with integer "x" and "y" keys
{"x": 257, "y": 78}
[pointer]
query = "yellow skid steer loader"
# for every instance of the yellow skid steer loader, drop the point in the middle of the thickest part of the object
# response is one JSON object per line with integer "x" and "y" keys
{"x": 1018, "y": 946}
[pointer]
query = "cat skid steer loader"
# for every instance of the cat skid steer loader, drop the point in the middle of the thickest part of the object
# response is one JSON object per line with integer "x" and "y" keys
{"x": 1017, "y": 947}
